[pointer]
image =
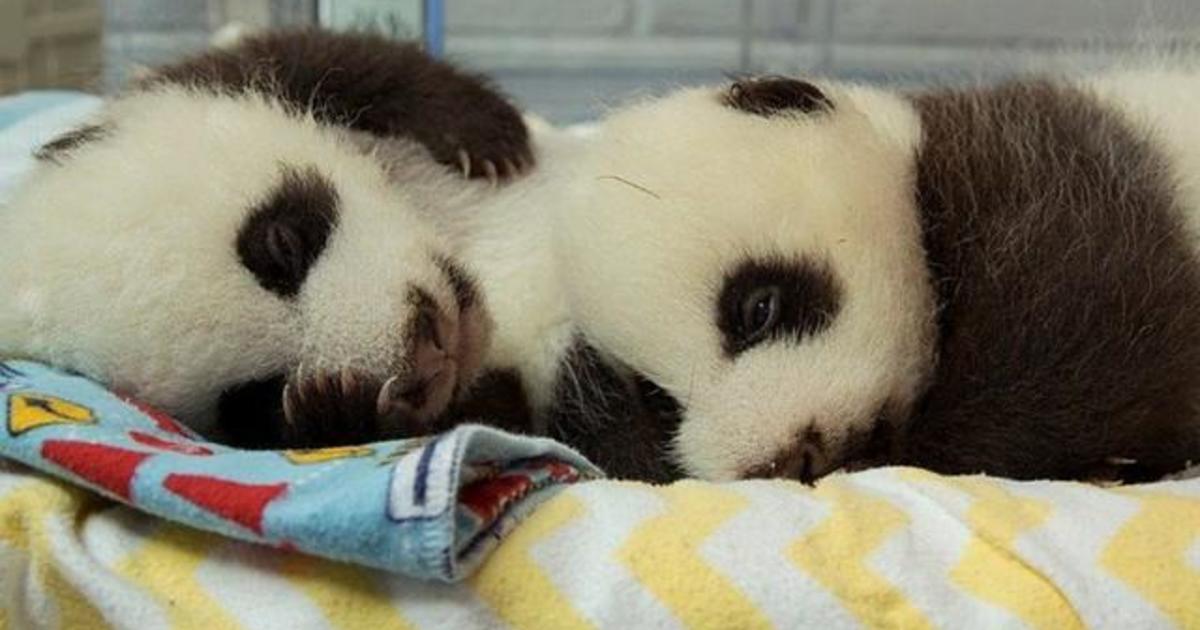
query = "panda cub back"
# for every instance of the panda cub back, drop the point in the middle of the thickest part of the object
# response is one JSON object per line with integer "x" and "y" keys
{"x": 1056, "y": 228}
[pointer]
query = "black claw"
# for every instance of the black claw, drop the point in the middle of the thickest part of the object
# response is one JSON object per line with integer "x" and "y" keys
{"x": 341, "y": 408}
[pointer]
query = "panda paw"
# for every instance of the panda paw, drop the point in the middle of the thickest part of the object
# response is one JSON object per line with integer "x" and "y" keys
{"x": 346, "y": 408}
{"x": 488, "y": 141}
{"x": 474, "y": 167}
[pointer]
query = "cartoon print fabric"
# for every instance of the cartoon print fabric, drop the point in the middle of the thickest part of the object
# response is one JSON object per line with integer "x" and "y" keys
{"x": 427, "y": 508}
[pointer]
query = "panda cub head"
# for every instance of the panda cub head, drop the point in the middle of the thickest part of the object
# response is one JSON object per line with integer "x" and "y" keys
{"x": 756, "y": 252}
{"x": 230, "y": 260}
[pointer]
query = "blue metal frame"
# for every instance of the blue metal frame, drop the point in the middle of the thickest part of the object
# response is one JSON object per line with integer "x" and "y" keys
{"x": 434, "y": 28}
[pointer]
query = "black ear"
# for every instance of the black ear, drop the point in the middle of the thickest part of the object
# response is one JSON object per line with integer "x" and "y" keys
{"x": 58, "y": 149}
{"x": 285, "y": 234}
{"x": 772, "y": 95}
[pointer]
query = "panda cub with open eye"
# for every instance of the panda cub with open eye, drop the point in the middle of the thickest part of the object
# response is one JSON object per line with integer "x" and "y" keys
{"x": 226, "y": 241}
{"x": 822, "y": 276}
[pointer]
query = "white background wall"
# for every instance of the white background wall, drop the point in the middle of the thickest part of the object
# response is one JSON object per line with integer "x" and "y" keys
{"x": 566, "y": 58}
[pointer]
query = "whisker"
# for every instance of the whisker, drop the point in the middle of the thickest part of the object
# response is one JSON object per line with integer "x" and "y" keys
{"x": 643, "y": 189}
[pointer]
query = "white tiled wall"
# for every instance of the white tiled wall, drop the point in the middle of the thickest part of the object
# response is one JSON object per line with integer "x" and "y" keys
{"x": 646, "y": 45}
{"x": 519, "y": 18}
{"x": 567, "y": 58}
{"x": 971, "y": 22}
{"x": 149, "y": 32}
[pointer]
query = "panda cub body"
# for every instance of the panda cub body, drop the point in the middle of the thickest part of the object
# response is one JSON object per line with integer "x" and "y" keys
{"x": 823, "y": 276}
{"x": 226, "y": 241}
{"x": 774, "y": 278}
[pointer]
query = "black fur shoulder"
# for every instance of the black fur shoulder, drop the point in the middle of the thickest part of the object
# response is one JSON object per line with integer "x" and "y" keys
{"x": 1069, "y": 289}
{"x": 372, "y": 84}
{"x": 616, "y": 418}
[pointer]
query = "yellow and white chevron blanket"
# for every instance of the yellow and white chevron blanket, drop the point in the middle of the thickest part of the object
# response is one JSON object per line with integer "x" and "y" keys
{"x": 885, "y": 548}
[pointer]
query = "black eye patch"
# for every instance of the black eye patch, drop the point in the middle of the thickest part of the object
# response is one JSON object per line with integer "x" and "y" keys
{"x": 286, "y": 233}
{"x": 804, "y": 297}
{"x": 768, "y": 96}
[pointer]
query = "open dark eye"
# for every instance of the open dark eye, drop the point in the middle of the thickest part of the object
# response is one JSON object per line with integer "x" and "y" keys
{"x": 775, "y": 298}
{"x": 760, "y": 311}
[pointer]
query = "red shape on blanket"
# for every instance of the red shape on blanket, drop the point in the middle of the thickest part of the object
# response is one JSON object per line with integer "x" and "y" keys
{"x": 242, "y": 503}
{"x": 154, "y": 441}
{"x": 560, "y": 471}
{"x": 487, "y": 497}
{"x": 160, "y": 418}
{"x": 109, "y": 467}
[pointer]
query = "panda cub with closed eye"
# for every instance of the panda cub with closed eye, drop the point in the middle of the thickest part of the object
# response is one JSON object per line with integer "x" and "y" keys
{"x": 822, "y": 275}
{"x": 225, "y": 240}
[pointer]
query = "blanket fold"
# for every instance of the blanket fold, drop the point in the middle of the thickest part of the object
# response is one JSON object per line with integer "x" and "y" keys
{"x": 890, "y": 547}
{"x": 886, "y": 548}
{"x": 429, "y": 508}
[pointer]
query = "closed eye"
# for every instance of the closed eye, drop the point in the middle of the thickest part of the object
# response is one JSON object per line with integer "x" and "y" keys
{"x": 286, "y": 233}
{"x": 775, "y": 298}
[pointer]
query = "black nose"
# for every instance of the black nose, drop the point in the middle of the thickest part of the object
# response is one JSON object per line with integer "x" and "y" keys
{"x": 808, "y": 459}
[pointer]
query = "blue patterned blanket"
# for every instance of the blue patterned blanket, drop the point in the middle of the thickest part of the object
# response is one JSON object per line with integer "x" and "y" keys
{"x": 427, "y": 508}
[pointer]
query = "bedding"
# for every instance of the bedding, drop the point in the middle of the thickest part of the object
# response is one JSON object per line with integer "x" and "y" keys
{"x": 882, "y": 548}
{"x": 892, "y": 547}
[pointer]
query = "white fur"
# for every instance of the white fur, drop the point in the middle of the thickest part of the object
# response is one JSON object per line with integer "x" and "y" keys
{"x": 120, "y": 262}
{"x": 1160, "y": 98}
{"x": 708, "y": 186}
{"x": 676, "y": 191}
{"x": 571, "y": 250}
{"x": 636, "y": 267}
{"x": 504, "y": 237}
{"x": 623, "y": 236}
